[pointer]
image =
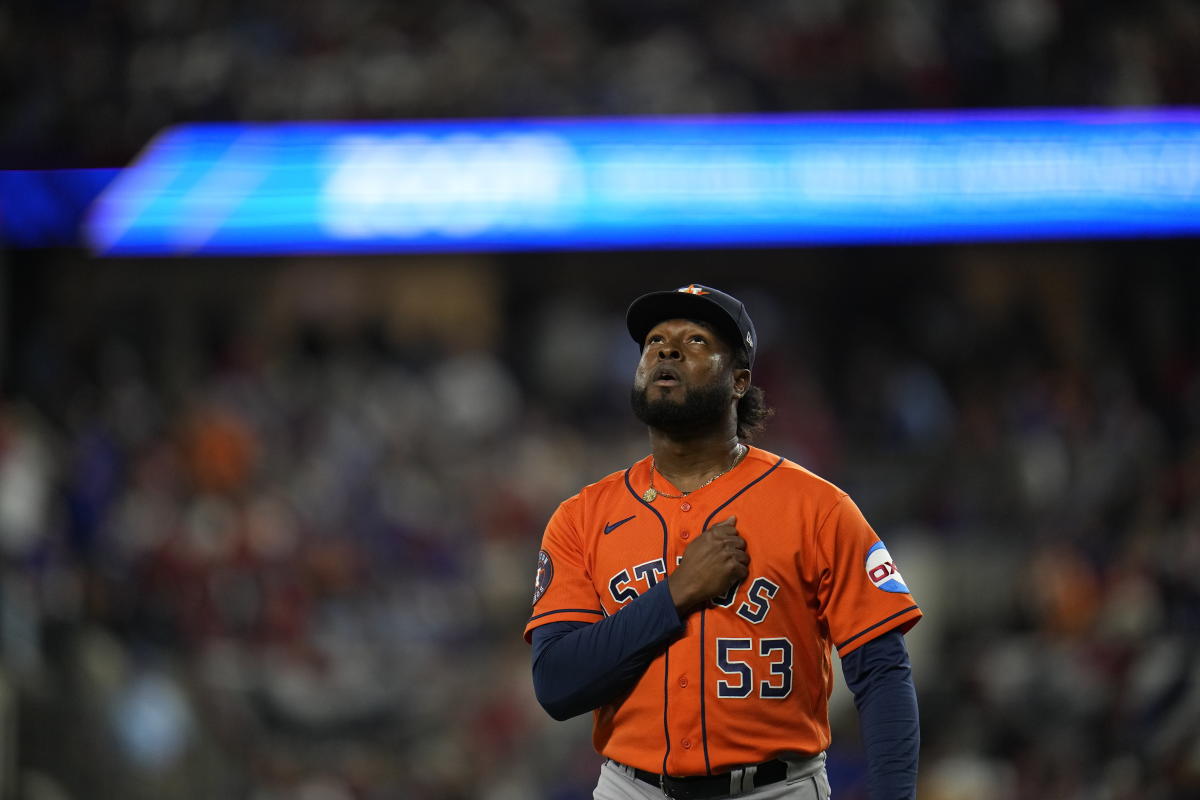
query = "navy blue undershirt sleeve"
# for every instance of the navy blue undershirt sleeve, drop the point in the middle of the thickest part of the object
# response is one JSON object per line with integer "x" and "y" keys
{"x": 880, "y": 676}
{"x": 580, "y": 666}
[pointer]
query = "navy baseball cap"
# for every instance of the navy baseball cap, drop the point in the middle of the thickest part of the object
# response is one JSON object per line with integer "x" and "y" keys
{"x": 724, "y": 312}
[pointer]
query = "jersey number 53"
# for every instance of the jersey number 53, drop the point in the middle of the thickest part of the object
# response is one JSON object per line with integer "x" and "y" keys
{"x": 776, "y": 658}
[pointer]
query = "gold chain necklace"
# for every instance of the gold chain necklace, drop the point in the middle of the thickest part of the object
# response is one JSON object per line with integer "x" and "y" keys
{"x": 650, "y": 494}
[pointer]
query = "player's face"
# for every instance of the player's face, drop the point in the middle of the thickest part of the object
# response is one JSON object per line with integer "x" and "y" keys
{"x": 679, "y": 354}
{"x": 685, "y": 379}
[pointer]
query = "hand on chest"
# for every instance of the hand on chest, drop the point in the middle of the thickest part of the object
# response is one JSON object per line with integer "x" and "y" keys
{"x": 635, "y": 552}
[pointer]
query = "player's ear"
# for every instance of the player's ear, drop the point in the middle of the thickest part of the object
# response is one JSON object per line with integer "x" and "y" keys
{"x": 741, "y": 382}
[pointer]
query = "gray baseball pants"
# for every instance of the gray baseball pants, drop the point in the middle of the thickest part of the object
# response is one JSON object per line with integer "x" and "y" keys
{"x": 806, "y": 780}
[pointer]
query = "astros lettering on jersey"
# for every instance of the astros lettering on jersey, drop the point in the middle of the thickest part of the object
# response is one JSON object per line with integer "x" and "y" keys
{"x": 750, "y": 677}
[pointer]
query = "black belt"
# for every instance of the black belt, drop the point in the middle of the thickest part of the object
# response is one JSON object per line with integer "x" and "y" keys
{"x": 704, "y": 787}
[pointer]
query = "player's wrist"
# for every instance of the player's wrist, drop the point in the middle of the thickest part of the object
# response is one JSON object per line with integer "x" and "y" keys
{"x": 684, "y": 600}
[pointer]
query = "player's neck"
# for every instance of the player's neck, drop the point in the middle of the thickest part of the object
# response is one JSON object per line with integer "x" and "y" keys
{"x": 688, "y": 463}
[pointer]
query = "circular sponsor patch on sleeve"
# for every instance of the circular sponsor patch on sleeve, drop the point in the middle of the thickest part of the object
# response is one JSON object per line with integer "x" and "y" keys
{"x": 882, "y": 572}
{"x": 545, "y": 574}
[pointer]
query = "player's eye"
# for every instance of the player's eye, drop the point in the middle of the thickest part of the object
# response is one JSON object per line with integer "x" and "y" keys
{"x": 696, "y": 337}
{"x": 654, "y": 338}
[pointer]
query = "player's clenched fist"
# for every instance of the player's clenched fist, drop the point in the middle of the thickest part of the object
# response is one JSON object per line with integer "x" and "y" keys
{"x": 710, "y": 565}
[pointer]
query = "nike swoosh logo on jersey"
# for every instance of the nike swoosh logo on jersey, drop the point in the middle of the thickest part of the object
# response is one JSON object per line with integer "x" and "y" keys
{"x": 612, "y": 526}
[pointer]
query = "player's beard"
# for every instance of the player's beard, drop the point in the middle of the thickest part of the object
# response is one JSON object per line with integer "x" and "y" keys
{"x": 701, "y": 409}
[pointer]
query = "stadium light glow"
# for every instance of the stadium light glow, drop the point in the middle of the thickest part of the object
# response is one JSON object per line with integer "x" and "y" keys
{"x": 222, "y": 189}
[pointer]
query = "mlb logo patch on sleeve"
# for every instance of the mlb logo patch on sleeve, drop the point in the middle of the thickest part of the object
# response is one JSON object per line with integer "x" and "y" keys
{"x": 882, "y": 570}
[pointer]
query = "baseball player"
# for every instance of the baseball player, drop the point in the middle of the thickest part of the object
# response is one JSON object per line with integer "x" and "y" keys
{"x": 691, "y": 601}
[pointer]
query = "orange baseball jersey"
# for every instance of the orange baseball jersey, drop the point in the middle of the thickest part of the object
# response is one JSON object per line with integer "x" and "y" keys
{"x": 750, "y": 676}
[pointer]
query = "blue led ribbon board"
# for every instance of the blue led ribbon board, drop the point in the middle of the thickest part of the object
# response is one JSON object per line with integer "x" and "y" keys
{"x": 224, "y": 189}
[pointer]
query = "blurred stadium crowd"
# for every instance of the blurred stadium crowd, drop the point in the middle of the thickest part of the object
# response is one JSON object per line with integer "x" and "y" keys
{"x": 268, "y": 528}
{"x": 88, "y": 83}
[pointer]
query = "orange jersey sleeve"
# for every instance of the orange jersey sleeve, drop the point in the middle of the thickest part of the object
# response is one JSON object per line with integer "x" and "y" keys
{"x": 563, "y": 590}
{"x": 860, "y": 592}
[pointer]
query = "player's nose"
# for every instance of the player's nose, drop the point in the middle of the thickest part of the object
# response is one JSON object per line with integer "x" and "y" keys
{"x": 667, "y": 350}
